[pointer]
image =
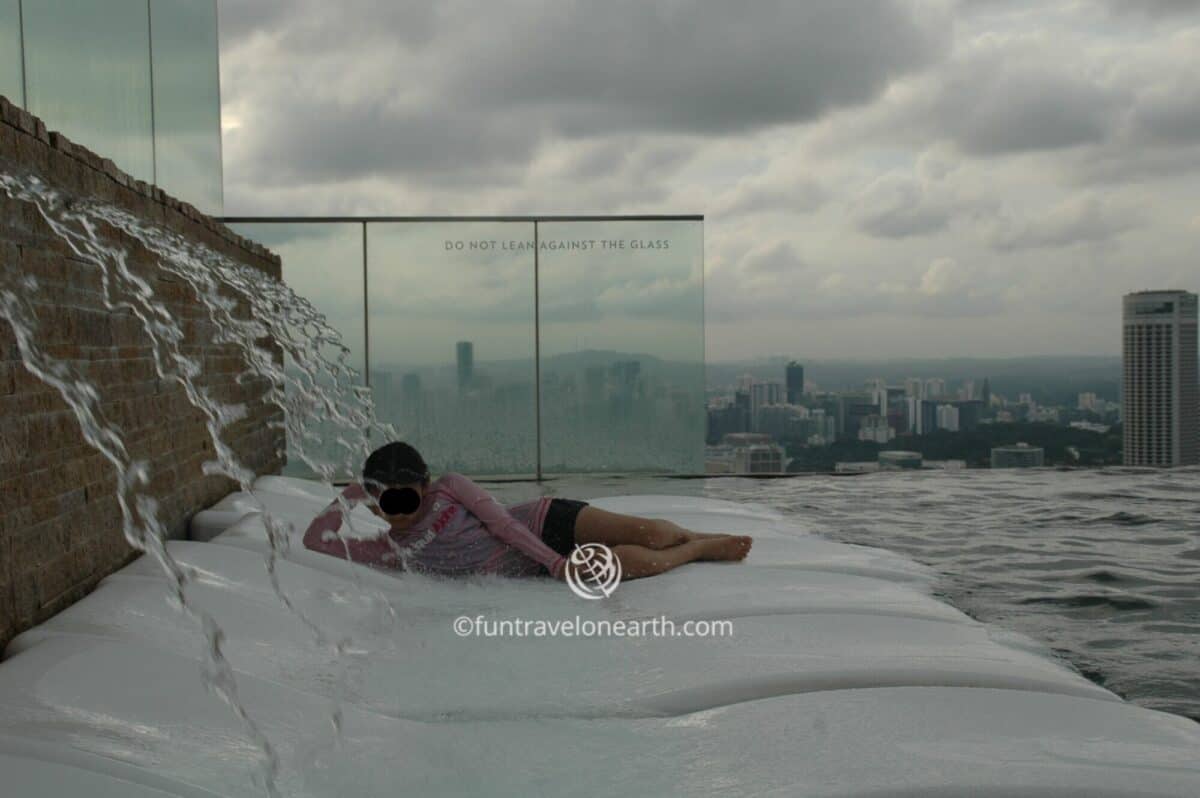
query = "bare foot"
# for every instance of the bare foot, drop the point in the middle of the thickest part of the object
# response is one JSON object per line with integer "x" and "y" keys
{"x": 727, "y": 547}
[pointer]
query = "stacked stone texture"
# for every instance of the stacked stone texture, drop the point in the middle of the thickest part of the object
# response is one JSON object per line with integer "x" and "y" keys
{"x": 60, "y": 524}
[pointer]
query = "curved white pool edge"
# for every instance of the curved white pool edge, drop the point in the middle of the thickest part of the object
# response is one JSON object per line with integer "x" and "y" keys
{"x": 799, "y": 593}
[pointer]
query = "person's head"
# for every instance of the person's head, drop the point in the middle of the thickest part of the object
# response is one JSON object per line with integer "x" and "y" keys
{"x": 396, "y": 477}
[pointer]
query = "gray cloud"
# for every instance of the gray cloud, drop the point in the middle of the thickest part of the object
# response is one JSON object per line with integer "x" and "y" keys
{"x": 306, "y": 27}
{"x": 779, "y": 258}
{"x": 1153, "y": 8}
{"x": 696, "y": 67}
{"x": 774, "y": 282}
{"x": 1001, "y": 100}
{"x": 1080, "y": 220}
{"x": 1109, "y": 107}
{"x": 627, "y": 158}
{"x": 469, "y": 88}
{"x": 774, "y": 195}
{"x": 895, "y": 207}
{"x": 900, "y": 205}
{"x": 901, "y": 159}
{"x": 1170, "y": 115}
{"x": 338, "y": 143}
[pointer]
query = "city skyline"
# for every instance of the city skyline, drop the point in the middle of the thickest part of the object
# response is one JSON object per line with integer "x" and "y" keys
{"x": 752, "y": 428}
{"x": 605, "y": 402}
{"x": 786, "y": 422}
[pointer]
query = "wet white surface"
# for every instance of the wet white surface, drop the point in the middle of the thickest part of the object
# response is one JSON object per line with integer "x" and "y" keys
{"x": 843, "y": 676}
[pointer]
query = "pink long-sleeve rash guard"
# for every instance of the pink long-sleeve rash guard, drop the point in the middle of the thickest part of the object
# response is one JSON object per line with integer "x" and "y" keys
{"x": 459, "y": 529}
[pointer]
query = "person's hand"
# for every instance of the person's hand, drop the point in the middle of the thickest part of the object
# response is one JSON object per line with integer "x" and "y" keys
{"x": 562, "y": 574}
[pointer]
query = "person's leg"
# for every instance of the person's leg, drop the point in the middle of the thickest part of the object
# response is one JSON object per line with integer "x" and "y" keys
{"x": 639, "y": 561}
{"x": 689, "y": 534}
{"x": 593, "y": 525}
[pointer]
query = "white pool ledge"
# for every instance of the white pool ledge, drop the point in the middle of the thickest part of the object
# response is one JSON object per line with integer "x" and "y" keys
{"x": 844, "y": 676}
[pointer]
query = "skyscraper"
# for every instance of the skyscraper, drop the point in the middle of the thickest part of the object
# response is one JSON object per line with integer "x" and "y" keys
{"x": 795, "y": 382}
{"x": 969, "y": 413}
{"x": 758, "y": 398}
{"x": 1160, "y": 393}
{"x": 947, "y": 417}
{"x": 466, "y": 364}
{"x": 741, "y": 400}
{"x": 595, "y": 383}
{"x": 775, "y": 392}
{"x": 410, "y": 396}
{"x": 624, "y": 379}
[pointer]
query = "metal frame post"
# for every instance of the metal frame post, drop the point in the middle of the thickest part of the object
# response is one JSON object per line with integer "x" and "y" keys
{"x": 537, "y": 352}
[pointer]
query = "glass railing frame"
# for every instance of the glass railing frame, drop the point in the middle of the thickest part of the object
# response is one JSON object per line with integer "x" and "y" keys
{"x": 535, "y": 221}
{"x": 153, "y": 176}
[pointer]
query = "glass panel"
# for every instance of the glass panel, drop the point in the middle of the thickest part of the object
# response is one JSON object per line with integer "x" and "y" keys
{"x": 187, "y": 104}
{"x": 10, "y": 51}
{"x": 622, "y": 346}
{"x": 88, "y": 75}
{"x": 322, "y": 262}
{"x": 451, "y": 311}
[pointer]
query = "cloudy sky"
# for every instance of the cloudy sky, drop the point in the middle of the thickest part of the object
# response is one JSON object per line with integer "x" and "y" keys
{"x": 879, "y": 177}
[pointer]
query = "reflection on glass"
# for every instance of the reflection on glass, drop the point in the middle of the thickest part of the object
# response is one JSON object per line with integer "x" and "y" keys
{"x": 622, "y": 346}
{"x": 187, "y": 105}
{"x": 88, "y": 75}
{"x": 451, "y": 320}
{"x": 10, "y": 52}
{"x": 323, "y": 264}
{"x": 451, "y": 312}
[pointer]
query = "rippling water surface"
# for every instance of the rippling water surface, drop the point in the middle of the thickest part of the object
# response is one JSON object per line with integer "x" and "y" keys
{"x": 1101, "y": 565}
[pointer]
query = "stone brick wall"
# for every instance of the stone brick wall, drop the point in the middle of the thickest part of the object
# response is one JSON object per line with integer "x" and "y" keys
{"x": 60, "y": 530}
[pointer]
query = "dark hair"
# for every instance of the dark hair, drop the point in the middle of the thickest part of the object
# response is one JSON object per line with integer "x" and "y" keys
{"x": 395, "y": 463}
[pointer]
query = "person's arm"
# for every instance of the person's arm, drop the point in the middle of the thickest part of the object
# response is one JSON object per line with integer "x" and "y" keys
{"x": 499, "y": 522}
{"x": 322, "y": 534}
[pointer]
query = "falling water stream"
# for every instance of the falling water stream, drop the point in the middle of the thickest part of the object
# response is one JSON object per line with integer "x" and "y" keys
{"x": 308, "y": 385}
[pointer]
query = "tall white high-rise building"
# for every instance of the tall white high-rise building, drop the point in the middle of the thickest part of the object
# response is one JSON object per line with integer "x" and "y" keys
{"x": 934, "y": 388}
{"x": 947, "y": 417}
{"x": 876, "y": 429}
{"x": 1160, "y": 392}
{"x": 776, "y": 392}
{"x": 770, "y": 392}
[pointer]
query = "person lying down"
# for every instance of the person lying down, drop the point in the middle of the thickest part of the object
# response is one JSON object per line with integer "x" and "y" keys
{"x": 451, "y": 526}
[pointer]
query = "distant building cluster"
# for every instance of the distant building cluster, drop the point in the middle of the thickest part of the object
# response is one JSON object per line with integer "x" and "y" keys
{"x": 791, "y": 410}
{"x": 607, "y": 404}
{"x": 755, "y": 423}
{"x": 592, "y": 410}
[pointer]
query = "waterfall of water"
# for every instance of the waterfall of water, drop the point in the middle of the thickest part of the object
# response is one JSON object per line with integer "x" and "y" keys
{"x": 308, "y": 386}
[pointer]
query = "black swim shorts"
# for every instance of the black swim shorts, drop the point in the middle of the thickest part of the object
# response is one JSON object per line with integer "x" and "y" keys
{"x": 558, "y": 530}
